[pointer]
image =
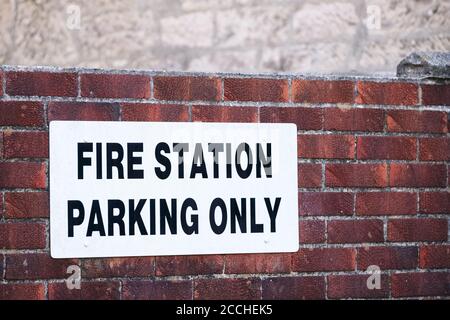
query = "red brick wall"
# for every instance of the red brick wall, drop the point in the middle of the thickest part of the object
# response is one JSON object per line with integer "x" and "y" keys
{"x": 373, "y": 179}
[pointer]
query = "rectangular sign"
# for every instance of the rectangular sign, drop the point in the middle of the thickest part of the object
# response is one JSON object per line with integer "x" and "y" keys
{"x": 160, "y": 188}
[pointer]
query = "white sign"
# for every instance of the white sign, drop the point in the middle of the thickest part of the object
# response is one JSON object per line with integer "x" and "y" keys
{"x": 159, "y": 188}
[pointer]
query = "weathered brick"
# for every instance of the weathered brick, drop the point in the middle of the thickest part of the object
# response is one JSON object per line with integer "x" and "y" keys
{"x": 20, "y": 144}
{"x": 351, "y": 119}
{"x": 21, "y": 113}
{"x": 251, "y": 89}
{"x": 326, "y": 146}
{"x": 436, "y": 94}
{"x": 187, "y": 88}
{"x": 258, "y": 263}
{"x": 37, "y": 83}
{"x": 304, "y": 118}
{"x": 419, "y": 284}
{"x": 26, "y": 205}
{"x": 22, "y": 291}
{"x": 387, "y": 258}
{"x": 293, "y": 288}
{"x": 227, "y": 289}
{"x": 323, "y": 91}
{"x": 434, "y": 202}
{"x": 417, "y": 175}
{"x": 390, "y": 148}
{"x": 312, "y": 231}
{"x": 388, "y": 93}
{"x": 434, "y": 149}
{"x": 83, "y": 111}
{"x": 189, "y": 265}
{"x": 385, "y": 203}
{"x": 1, "y": 81}
{"x": 355, "y": 231}
{"x": 23, "y": 175}
{"x": 309, "y": 175}
{"x": 434, "y": 256}
{"x": 157, "y": 290}
{"x": 224, "y": 114}
{"x": 355, "y": 286}
{"x": 118, "y": 267}
{"x": 35, "y": 266}
{"x": 325, "y": 203}
{"x": 416, "y": 121}
{"x": 418, "y": 229}
{"x": 90, "y": 290}
{"x": 115, "y": 86}
{"x": 12, "y": 235}
{"x": 324, "y": 259}
{"x": 356, "y": 175}
{"x": 154, "y": 112}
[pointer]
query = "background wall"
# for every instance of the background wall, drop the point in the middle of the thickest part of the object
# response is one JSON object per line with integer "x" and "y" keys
{"x": 373, "y": 183}
{"x": 226, "y": 35}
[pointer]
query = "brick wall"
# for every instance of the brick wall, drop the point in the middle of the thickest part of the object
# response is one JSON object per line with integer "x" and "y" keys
{"x": 373, "y": 182}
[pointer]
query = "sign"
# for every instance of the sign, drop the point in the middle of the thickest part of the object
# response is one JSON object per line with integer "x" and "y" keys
{"x": 159, "y": 188}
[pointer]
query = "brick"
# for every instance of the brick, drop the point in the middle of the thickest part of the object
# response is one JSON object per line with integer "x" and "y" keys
{"x": 419, "y": 229}
{"x": 438, "y": 95}
{"x": 20, "y": 205}
{"x": 309, "y": 175}
{"x": 304, "y": 118}
{"x": 12, "y": 235}
{"x": 324, "y": 259}
{"x": 90, "y": 290}
{"x": 389, "y": 148}
{"x": 22, "y": 291}
{"x": 227, "y": 289}
{"x": 1, "y": 81}
{"x": 417, "y": 175}
{"x": 224, "y": 114}
{"x": 37, "y": 83}
{"x": 355, "y": 286}
{"x": 385, "y": 203}
{"x": 23, "y": 175}
{"x": 434, "y": 149}
{"x": 157, "y": 290}
{"x": 115, "y": 86}
{"x": 189, "y": 265}
{"x": 434, "y": 202}
{"x": 356, "y": 175}
{"x": 351, "y": 119}
{"x": 323, "y": 91}
{"x": 387, "y": 258}
{"x": 31, "y": 144}
{"x": 325, "y": 203}
{"x": 257, "y": 263}
{"x": 420, "y": 284}
{"x": 416, "y": 121}
{"x": 118, "y": 267}
{"x": 2, "y": 265}
{"x": 326, "y": 146}
{"x": 1, "y": 145}
{"x": 83, "y": 111}
{"x": 257, "y": 90}
{"x": 434, "y": 257}
{"x": 293, "y": 288}
{"x": 154, "y": 112}
{"x": 35, "y": 266}
{"x": 312, "y": 231}
{"x": 389, "y": 93}
{"x": 187, "y": 88}
{"x": 21, "y": 113}
{"x": 355, "y": 231}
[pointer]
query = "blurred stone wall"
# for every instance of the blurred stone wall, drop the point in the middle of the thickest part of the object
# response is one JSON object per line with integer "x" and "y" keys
{"x": 222, "y": 35}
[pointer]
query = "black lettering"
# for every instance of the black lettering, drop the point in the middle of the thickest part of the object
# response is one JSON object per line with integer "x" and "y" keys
{"x": 198, "y": 163}
{"x": 239, "y": 215}
{"x": 168, "y": 216}
{"x": 135, "y": 217}
{"x": 264, "y": 161}
{"x": 180, "y": 148}
{"x": 193, "y": 228}
{"x": 218, "y": 229}
{"x": 72, "y": 220}
{"x": 114, "y": 162}
{"x": 244, "y": 147}
{"x": 116, "y": 219}
{"x": 95, "y": 214}
{"x": 272, "y": 212}
{"x": 82, "y": 161}
{"x": 163, "y": 160}
{"x": 133, "y": 160}
{"x": 98, "y": 156}
{"x": 215, "y": 148}
{"x": 254, "y": 227}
